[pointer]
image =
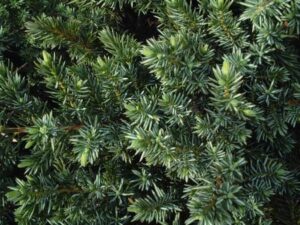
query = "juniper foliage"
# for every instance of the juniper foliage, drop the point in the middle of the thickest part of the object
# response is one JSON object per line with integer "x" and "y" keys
{"x": 150, "y": 112}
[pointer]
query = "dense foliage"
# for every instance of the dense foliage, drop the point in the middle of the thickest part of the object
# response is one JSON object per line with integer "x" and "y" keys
{"x": 161, "y": 112}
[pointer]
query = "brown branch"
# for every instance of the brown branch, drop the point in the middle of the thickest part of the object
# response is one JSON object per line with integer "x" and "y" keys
{"x": 293, "y": 102}
{"x": 69, "y": 190}
{"x": 21, "y": 67}
{"x": 60, "y": 190}
{"x": 73, "y": 39}
{"x": 8, "y": 130}
{"x": 71, "y": 128}
{"x": 24, "y": 130}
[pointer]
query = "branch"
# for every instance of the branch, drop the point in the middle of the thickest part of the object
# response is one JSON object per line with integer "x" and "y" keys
{"x": 24, "y": 130}
{"x": 293, "y": 102}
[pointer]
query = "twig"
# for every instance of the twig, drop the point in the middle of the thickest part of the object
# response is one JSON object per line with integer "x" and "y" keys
{"x": 24, "y": 130}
